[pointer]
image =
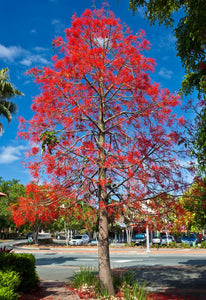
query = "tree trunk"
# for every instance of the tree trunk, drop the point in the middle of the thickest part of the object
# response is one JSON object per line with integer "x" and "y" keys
{"x": 35, "y": 237}
{"x": 103, "y": 248}
{"x": 103, "y": 252}
{"x": 35, "y": 233}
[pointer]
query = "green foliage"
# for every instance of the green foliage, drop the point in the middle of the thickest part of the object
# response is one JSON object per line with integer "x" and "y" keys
{"x": 13, "y": 189}
{"x": 194, "y": 201}
{"x": 203, "y": 244}
{"x": 7, "y": 91}
{"x": 49, "y": 140}
{"x": 158, "y": 10}
{"x": 85, "y": 276}
{"x": 8, "y": 294}
{"x": 9, "y": 283}
{"x": 200, "y": 142}
{"x": 183, "y": 245}
{"x": 189, "y": 31}
{"x": 127, "y": 283}
{"x": 136, "y": 291}
{"x": 10, "y": 279}
{"x": 190, "y": 45}
{"x": 173, "y": 245}
{"x": 24, "y": 265}
{"x": 132, "y": 244}
{"x": 45, "y": 241}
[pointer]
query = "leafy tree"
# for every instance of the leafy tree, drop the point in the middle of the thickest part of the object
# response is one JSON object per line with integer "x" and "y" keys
{"x": 194, "y": 201}
{"x": 7, "y": 92}
{"x": 190, "y": 33}
{"x": 107, "y": 132}
{"x": 13, "y": 189}
{"x": 190, "y": 45}
{"x": 34, "y": 208}
{"x": 78, "y": 216}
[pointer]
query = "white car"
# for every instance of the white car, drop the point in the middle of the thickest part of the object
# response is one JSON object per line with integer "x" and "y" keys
{"x": 167, "y": 239}
{"x": 156, "y": 240}
{"x": 81, "y": 239}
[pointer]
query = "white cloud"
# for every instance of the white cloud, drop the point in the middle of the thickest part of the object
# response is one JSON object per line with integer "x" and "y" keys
{"x": 59, "y": 26}
{"x": 34, "y": 59}
{"x": 165, "y": 73}
{"x": 23, "y": 56}
{"x": 167, "y": 41}
{"x": 10, "y": 53}
{"x": 40, "y": 49}
{"x": 10, "y": 154}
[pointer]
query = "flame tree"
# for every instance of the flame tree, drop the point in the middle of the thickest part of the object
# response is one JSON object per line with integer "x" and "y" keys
{"x": 33, "y": 208}
{"x": 106, "y": 131}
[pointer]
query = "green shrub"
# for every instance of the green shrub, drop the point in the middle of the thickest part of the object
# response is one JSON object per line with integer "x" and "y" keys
{"x": 10, "y": 279}
{"x": 7, "y": 294}
{"x": 203, "y": 244}
{"x": 9, "y": 283}
{"x": 126, "y": 283}
{"x": 135, "y": 291}
{"x": 84, "y": 276}
{"x": 45, "y": 241}
{"x": 173, "y": 245}
{"x": 132, "y": 244}
{"x": 183, "y": 245}
{"x": 156, "y": 246}
{"x": 24, "y": 265}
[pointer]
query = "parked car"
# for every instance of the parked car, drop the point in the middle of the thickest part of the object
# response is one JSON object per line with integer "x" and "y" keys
{"x": 94, "y": 242}
{"x": 79, "y": 240}
{"x": 139, "y": 239}
{"x": 191, "y": 240}
{"x": 167, "y": 239}
{"x": 156, "y": 240}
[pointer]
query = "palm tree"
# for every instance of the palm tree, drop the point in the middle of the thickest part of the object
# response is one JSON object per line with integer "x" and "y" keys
{"x": 7, "y": 91}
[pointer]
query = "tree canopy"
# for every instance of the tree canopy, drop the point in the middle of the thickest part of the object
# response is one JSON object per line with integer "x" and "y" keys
{"x": 190, "y": 31}
{"x": 7, "y": 92}
{"x": 13, "y": 189}
{"x": 33, "y": 208}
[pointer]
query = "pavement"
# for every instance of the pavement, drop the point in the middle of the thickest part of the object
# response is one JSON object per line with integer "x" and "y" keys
{"x": 57, "y": 290}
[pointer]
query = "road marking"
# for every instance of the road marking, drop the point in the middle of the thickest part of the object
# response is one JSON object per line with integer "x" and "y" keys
{"x": 126, "y": 260}
{"x": 90, "y": 259}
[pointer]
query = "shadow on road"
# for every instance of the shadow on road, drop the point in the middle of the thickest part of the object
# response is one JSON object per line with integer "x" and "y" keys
{"x": 54, "y": 260}
{"x": 183, "y": 280}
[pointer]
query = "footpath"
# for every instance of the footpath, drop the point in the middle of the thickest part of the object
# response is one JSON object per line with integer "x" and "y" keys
{"x": 54, "y": 290}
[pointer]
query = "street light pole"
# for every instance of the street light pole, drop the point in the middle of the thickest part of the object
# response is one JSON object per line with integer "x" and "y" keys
{"x": 147, "y": 238}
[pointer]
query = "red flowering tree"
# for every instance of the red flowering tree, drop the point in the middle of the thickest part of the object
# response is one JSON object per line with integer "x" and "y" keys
{"x": 33, "y": 209}
{"x": 106, "y": 131}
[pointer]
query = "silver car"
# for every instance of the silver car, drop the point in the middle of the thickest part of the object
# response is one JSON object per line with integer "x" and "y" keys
{"x": 81, "y": 239}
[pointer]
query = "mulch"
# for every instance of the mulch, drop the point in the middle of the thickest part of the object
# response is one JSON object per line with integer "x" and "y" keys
{"x": 53, "y": 290}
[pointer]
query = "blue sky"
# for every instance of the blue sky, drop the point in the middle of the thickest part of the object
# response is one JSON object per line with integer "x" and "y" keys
{"x": 27, "y": 30}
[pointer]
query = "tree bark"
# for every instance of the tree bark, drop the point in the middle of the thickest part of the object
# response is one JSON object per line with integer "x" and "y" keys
{"x": 35, "y": 233}
{"x": 103, "y": 252}
{"x": 103, "y": 248}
